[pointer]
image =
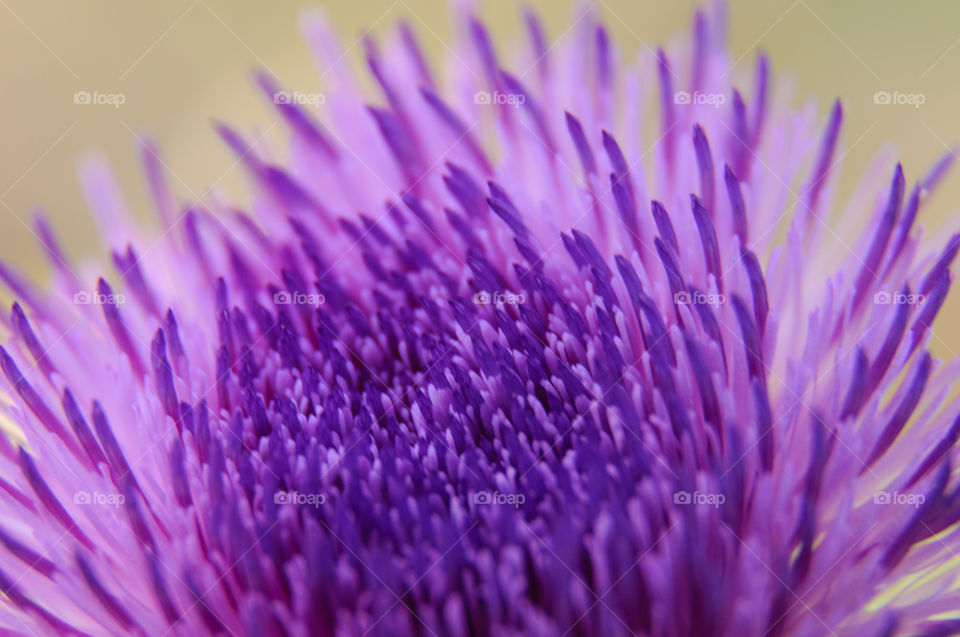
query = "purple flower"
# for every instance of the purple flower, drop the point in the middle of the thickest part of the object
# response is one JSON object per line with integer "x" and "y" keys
{"x": 494, "y": 357}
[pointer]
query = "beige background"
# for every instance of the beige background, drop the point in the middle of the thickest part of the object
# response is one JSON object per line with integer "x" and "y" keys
{"x": 180, "y": 63}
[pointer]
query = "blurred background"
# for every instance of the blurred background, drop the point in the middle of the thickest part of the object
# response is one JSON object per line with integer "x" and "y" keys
{"x": 180, "y": 63}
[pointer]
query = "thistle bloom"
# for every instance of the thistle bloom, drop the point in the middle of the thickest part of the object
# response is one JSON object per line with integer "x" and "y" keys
{"x": 587, "y": 347}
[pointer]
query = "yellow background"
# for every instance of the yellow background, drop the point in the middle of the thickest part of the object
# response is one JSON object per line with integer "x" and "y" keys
{"x": 182, "y": 63}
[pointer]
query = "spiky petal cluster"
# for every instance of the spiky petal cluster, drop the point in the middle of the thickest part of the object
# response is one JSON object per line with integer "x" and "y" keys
{"x": 492, "y": 359}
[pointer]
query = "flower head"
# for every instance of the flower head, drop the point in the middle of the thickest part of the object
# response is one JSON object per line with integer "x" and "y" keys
{"x": 492, "y": 357}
